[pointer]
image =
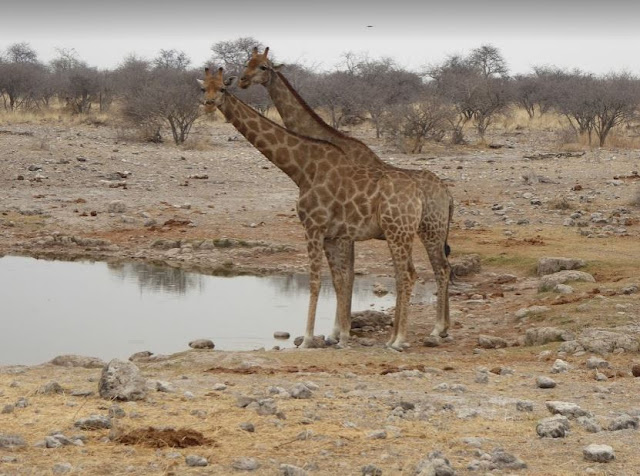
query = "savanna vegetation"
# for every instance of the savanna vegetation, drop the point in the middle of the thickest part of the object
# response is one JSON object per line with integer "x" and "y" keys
{"x": 456, "y": 101}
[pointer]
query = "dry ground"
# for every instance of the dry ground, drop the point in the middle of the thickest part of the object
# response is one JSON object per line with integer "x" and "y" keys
{"x": 79, "y": 169}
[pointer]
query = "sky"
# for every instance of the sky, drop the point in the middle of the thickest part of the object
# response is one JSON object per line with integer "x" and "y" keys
{"x": 595, "y": 36}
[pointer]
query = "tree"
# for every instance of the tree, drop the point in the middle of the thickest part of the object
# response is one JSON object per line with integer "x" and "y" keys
{"x": 172, "y": 59}
{"x": 411, "y": 125}
{"x": 616, "y": 99}
{"x": 233, "y": 55}
{"x": 21, "y": 77}
{"x": 476, "y": 85}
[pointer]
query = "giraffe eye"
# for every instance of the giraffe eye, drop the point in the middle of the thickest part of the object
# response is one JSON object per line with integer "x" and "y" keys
{"x": 223, "y": 90}
{"x": 263, "y": 68}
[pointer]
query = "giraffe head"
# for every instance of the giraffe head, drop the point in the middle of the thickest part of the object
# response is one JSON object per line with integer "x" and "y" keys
{"x": 214, "y": 87}
{"x": 258, "y": 70}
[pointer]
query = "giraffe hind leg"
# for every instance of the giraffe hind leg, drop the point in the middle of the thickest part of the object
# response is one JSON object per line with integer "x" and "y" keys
{"x": 340, "y": 256}
{"x": 435, "y": 244}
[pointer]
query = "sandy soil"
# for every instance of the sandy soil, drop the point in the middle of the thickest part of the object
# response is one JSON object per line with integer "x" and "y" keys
{"x": 88, "y": 191}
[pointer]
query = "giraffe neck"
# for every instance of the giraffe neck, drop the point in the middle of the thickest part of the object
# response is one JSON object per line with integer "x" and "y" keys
{"x": 300, "y": 118}
{"x": 274, "y": 142}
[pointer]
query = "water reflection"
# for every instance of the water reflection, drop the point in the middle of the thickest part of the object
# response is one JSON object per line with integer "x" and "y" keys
{"x": 157, "y": 278}
{"x": 54, "y": 307}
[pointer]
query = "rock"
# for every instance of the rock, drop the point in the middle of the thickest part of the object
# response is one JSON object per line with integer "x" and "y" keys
{"x": 531, "y": 311}
{"x": 116, "y": 206}
{"x": 466, "y": 265}
{"x": 589, "y": 424}
{"x": 380, "y": 289}
{"x": 559, "y": 366}
{"x": 375, "y": 319}
{"x": 51, "y": 388}
{"x": 598, "y": 453}
{"x": 300, "y": 390}
{"x": 93, "y": 422}
{"x": 503, "y": 460}
{"x": 116, "y": 411}
{"x": 165, "y": 387}
{"x": 597, "y": 363}
{"x": 623, "y": 422}
{"x": 435, "y": 465}
{"x": 432, "y": 341}
{"x": 141, "y": 356}
{"x": 603, "y": 342}
{"x": 266, "y": 406}
{"x": 549, "y": 281}
{"x": 553, "y": 427}
{"x": 554, "y": 265}
{"x": 71, "y": 360}
{"x": 371, "y": 470}
{"x": 62, "y": 468}
{"x": 281, "y": 335}
{"x": 248, "y": 427}
{"x": 491, "y": 342}
{"x": 245, "y": 464}
{"x": 635, "y": 370}
{"x": 8, "y": 408}
{"x": 201, "y": 344}
{"x": 377, "y": 435}
{"x": 567, "y": 409}
{"x": 524, "y": 406}
{"x": 544, "y": 335}
{"x": 545, "y": 382}
{"x": 121, "y": 380}
{"x": 11, "y": 441}
{"x": 291, "y": 470}
{"x": 195, "y": 460}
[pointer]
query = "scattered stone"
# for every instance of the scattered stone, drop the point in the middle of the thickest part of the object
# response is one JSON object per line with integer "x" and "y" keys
{"x": 116, "y": 206}
{"x": 598, "y": 453}
{"x": 466, "y": 265}
{"x": 11, "y": 441}
{"x": 544, "y": 335}
{"x": 503, "y": 460}
{"x": 291, "y": 470}
{"x": 121, "y": 380}
{"x": 553, "y": 427}
{"x": 140, "y": 356}
{"x": 589, "y": 424}
{"x": 248, "y": 426}
{"x": 51, "y": 388}
{"x": 563, "y": 289}
{"x": 7, "y": 409}
{"x": 559, "y": 366}
{"x": 71, "y": 360}
{"x": 549, "y": 281}
{"x": 377, "y": 435}
{"x": 281, "y": 335}
{"x": 603, "y": 342}
{"x": 62, "y": 468}
{"x": 524, "y": 406}
{"x": 165, "y": 387}
{"x": 482, "y": 377}
{"x": 93, "y": 422}
{"x": 531, "y": 311}
{"x": 554, "y": 265}
{"x": 369, "y": 318}
{"x": 115, "y": 411}
{"x": 635, "y": 370}
{"x": 201, "y": 344}
{"x": 300, "y": 390}
{"x": 491, "y": 342}
{"x": 371, "y": 470}
{"x": 597, "y": 363}
{"x": 568, "y": 409}
{"x": 245, "y": 464}
{"x": 380, "y": 289}
{"x": 623, "y": 422}
{"x": 219, "y": 387}
{"x": 266, "y": 406}
{"x": 545, "y": 382}
{"x": 435, "y": 465}
{"x": 195, "y": 460}
{"x": 22, "y": 402}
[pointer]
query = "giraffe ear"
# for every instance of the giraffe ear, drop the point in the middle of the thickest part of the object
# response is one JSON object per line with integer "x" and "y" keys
{"x": 278, "y": 67}
{"x": 200, "y": 82}
{"x": 230, "y": 80}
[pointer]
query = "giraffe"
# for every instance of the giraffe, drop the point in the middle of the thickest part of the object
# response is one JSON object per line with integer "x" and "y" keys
{"x": 339, "y": 202}
{"x": 298, "y": 117}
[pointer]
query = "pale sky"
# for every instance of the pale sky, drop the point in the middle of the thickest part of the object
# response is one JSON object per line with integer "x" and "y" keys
{"x": 595, "y": 36}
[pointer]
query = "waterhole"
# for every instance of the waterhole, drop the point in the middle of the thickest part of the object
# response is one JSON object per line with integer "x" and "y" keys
{"x": 49, "y": 308}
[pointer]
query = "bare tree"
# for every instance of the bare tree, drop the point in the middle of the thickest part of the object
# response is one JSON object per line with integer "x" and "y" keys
{"x": 489, "y": 60}
{"x": 21, "y": 77}
{"x": 411, "y": 125}
{"x": 233, "y": 55}
{"x": 616, "y": 99}
{"x": 172, "y": 59}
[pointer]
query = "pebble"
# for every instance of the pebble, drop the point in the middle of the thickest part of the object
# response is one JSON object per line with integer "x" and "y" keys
{"x": 195, "y": 460}
{"x": 598, "y": 453}
{"x": 201, "y": 344}
{"x": 553, "y": 427}
{"x": 291, "y": 470}
{"x": 545, "y": 382}
{"x": 245, "y": 464}
{"x": 93, "y": 422}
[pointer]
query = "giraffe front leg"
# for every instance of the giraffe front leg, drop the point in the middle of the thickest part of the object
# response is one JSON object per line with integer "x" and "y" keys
{"x": 340, "y": 255}
{"x": 314, "y": 247}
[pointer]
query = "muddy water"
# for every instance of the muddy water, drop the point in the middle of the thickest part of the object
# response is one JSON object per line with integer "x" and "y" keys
{"x": 48, "y": 308}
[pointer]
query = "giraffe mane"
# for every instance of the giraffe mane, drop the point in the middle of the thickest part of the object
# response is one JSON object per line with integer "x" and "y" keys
{"x": 313, "y": 113}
